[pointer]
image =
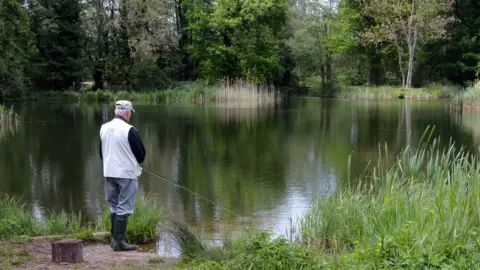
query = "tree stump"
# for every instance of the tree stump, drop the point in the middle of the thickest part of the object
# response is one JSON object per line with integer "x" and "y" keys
{"x": 68, "y": 250}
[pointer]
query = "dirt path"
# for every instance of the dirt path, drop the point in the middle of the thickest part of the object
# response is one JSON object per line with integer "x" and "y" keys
{"x": 96, "y": 256}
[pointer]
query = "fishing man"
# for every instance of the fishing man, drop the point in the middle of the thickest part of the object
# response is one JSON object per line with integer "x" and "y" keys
{"x": 122, "y": 152}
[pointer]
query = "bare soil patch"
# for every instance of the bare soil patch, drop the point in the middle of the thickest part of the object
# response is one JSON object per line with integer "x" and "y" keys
{"x": 95, "y": 256}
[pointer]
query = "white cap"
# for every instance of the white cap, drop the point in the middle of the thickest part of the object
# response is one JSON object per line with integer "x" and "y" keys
{"x": 124, "y": 105}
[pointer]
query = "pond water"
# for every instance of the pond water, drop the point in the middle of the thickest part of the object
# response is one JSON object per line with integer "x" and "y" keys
{"x": 265, "y": 164}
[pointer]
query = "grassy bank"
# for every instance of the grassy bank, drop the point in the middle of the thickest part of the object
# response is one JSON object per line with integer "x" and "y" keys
{"x": 225, "y": 92}
{"x": 380, "y": 92}
{"x": 421, "y": 211}
{"x": 392, "y": 92}
{"x": 17, "y": 219}
{"x": 251, "y": 250}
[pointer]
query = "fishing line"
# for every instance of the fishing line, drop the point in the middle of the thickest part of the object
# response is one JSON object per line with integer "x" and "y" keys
{"x": 177, "y": 185}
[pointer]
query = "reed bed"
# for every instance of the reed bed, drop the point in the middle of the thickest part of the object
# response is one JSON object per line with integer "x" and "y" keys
{"x": 8, "y": 117}
{"x": 469, "y": 99}
{"x": 392, "y": 92}
{"x": 422, "y": 211}
{"x": 239, "y": 93}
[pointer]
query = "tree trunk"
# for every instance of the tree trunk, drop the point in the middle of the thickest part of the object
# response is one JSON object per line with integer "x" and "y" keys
{"x": 411, "y": 53}
{"x": 400, "y": 65}
{"x": 375, "y": 69}
{"x": 68, "y": 250}
{"x": 412, "y": 43}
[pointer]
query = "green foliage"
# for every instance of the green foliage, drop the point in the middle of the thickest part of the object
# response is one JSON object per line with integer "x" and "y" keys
{"x": 14, "y": 49}
{"x": 236, "y": 39}
{"x": 257, "y": 250}
{"x": 418, "y": 212}
{"x": 56, "y": 26}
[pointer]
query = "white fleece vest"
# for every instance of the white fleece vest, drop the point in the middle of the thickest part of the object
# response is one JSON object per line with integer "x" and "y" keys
{"x": 118, "y": 158}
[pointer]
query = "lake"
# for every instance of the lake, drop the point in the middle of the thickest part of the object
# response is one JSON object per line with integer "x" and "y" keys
{"x": 266, "y": 164}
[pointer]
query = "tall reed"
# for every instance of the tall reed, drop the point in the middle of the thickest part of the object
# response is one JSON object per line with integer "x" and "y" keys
{"x": 8, "y": 117}
{"x": 469, "y": 99}
{"x": 242, "y": 93}
{"x": 420, "y": 211}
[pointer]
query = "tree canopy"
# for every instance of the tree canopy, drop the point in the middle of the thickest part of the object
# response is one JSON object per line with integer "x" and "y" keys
{"x": 138, "y": 44}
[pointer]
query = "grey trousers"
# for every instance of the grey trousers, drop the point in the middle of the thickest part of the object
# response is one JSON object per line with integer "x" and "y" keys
{"x": 121, "y": 194}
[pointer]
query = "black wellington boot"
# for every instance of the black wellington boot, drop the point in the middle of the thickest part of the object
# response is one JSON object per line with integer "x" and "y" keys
{"x": 112, "y": 222}
{"x": 120, "y": 230}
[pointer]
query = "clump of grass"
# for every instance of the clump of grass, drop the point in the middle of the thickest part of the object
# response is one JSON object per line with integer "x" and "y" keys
{"x": 256, "y": 250}
{"x": 419, "y": 212}
{"x": 142, "y": 225}
{"x": 15, "y": 218}
{"x": 190, "y": 245}
{"x": 59, "y": 223}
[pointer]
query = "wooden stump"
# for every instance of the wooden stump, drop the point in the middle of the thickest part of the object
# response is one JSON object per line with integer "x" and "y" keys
{"x": 68, "y": 250}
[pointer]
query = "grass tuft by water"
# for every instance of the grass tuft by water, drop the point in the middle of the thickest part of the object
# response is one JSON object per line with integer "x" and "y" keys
{"x": 142, "y": 225}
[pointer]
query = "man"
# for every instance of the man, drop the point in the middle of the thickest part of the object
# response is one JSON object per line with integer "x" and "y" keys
{"x": 122, "y": 152}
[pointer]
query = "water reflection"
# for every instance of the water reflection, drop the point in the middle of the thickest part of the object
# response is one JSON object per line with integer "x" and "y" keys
{"x": 266, "y": 164}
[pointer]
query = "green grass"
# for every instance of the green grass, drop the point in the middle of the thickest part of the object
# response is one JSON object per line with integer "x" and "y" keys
{"x": 16, "y": 219}
{"x": 253, "y": 250}
{"x": 11, "y": 255}
{"x": 422, "y": 211}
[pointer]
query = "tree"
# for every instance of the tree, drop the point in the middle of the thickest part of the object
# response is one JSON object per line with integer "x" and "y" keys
{"x": 56, "y": 26}
{"x": 456, "y": 59}
{"x": 15, "y": 45}
{"x": 237, "y": 39}
{"x": 129, "y": 41}
{"x": 406, "y": 22}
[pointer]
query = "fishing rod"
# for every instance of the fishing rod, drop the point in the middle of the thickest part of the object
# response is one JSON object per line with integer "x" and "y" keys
{"x": 184, "y": 188}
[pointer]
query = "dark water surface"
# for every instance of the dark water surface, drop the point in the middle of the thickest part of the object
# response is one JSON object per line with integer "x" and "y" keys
{"x": 265, "y": 164}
